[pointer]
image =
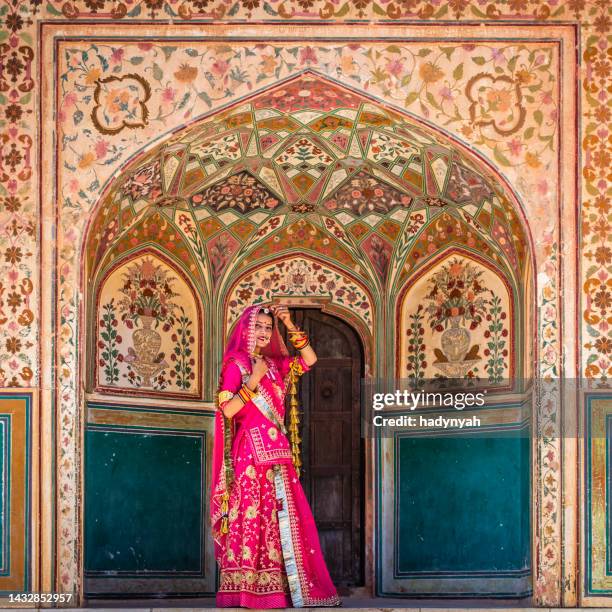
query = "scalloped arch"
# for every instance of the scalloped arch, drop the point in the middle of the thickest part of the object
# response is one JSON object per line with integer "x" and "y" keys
{"x": 309, "y": 280}
{"x": 313, "y": 149}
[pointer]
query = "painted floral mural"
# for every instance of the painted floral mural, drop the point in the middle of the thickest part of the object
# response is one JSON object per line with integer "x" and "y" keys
{"x": 456, "y": 324}
{"x": 432, "y": 194}
{"x": 148, "y": 331}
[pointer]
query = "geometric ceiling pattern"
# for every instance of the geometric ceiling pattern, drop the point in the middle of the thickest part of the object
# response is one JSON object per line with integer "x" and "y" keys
{"x": 311, "y": 151}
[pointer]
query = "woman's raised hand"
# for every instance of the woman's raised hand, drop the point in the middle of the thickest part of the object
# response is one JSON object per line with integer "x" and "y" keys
{"x": 260, "y": 367}
{"x": 282, "y": 312}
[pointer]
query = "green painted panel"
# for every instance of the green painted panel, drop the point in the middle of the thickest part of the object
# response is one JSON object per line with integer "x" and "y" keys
{"x": 143, "y": 501}
{"x": 462, "y": 504}
{"x": 4, "y": 494}
{"x": 598, "y": 423}
{"x": 15, "y": 493}
{"x": 608, "y": 495}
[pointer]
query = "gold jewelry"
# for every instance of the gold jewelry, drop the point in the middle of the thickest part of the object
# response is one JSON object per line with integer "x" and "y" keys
{"x": 225, "y": 396}
{"x": 246, "y": 394}
{"x": 294, "y": 419}
{"x": 299, "y": 339}
{"x": 296, "y": 366}
{"x": 224, "y": 511}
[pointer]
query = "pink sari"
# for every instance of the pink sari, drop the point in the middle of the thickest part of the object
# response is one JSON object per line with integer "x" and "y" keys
{"x": 266, "y": 541}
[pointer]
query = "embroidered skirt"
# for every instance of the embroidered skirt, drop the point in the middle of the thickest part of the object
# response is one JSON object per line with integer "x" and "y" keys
{"x": 272, "y": 557}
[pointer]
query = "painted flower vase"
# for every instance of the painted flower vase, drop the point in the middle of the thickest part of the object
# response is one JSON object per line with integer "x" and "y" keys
{"x": 455, "y": 341}
{"x": 147, "y": 343}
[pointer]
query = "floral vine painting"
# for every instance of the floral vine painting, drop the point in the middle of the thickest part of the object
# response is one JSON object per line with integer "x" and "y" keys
{"x": 148, "y": 331}
{"x": 460, "y": 326}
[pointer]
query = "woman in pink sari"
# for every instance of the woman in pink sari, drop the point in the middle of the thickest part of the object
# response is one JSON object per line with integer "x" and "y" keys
{"x": 266, "y": 540}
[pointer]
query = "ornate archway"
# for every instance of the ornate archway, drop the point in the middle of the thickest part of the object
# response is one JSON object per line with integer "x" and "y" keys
{"x": 310, "y": 190}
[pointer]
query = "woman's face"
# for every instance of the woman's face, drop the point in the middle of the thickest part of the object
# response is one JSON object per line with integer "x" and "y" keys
{"x": 263, "y": 330}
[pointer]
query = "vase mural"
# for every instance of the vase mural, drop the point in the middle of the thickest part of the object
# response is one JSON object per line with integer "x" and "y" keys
{"x": 148, "y": 298}
{"x": 455, "y": 341}
{"x": 147, "y": 343}
{"x": 149, "y": 331}
{"x": 458, "y": 324}
{"x": 457, "y": 298}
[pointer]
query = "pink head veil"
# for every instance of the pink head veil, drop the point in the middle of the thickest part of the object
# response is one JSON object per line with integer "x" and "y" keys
{"x": 242, "y": 339}
{"x": 239, "y": 347}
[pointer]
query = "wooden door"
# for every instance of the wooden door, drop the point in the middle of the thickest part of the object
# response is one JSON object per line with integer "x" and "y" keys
{"x": 332, "y": 449}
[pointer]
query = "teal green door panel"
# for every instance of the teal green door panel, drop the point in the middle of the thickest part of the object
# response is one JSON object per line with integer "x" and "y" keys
{"x": 462, "y": 505}
{"x": 144, "y": 495}
{"x": 16, "y": 560}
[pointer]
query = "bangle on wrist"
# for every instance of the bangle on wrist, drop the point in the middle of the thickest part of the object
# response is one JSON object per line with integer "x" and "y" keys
{"x": 299, "y": 339}
{"x": 246, "y": 394}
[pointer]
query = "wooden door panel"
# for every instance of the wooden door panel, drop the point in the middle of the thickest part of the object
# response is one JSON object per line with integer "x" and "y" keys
{"x": 326, "y": 443}
{"x": 327, "y": 499}
{"x": 332, "y": 546}
{"x": 337, "y": 545}
{"x": 329, "y": 343}
{"x": 331, "y": 388}
{"x": 332, "y": 449}
{"x": 331, "y": 445}
{"x": 332, "y": 497}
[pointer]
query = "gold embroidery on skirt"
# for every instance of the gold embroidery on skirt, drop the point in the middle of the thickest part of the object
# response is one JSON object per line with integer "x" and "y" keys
{"x": 253, "y": 581}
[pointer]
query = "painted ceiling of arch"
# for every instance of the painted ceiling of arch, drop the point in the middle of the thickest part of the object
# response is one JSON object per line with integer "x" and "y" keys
{"x": 310, "y": 162}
